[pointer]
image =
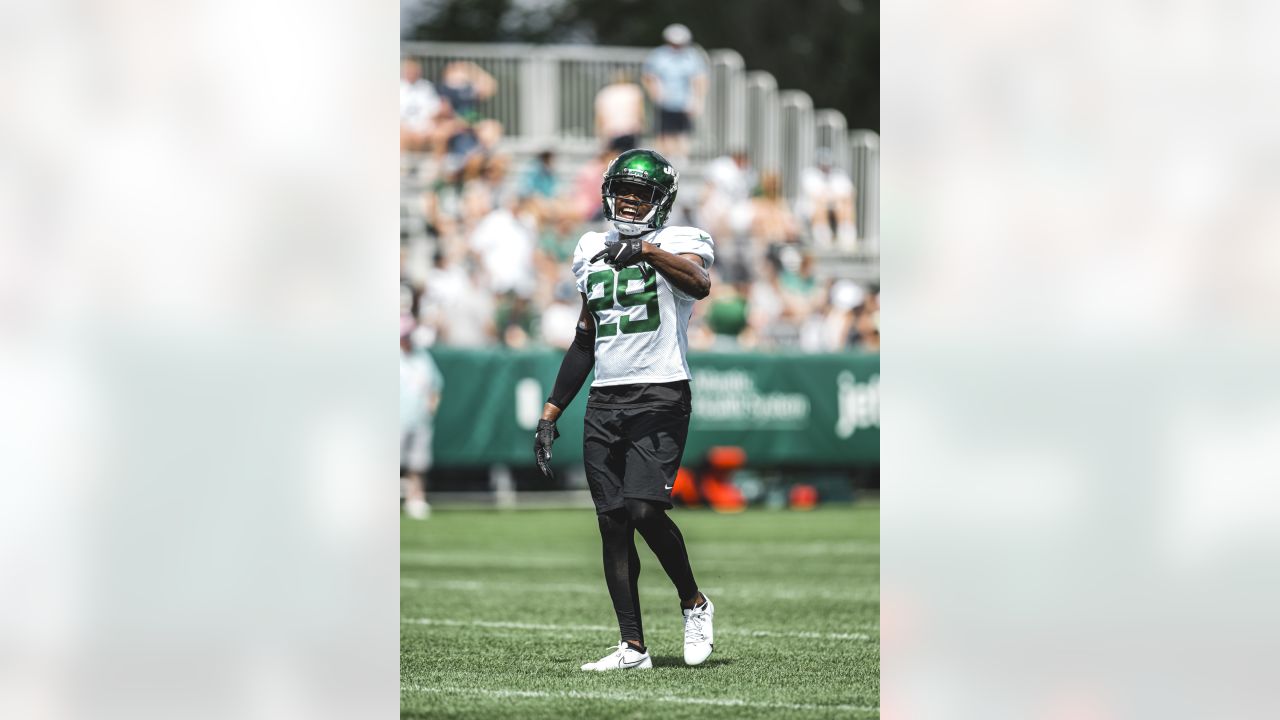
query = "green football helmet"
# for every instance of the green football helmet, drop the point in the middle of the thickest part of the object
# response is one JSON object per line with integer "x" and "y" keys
{"x": 648, "y": 182}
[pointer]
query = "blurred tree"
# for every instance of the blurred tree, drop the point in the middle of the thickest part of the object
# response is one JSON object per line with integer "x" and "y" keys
{"x": 827, "y": 48}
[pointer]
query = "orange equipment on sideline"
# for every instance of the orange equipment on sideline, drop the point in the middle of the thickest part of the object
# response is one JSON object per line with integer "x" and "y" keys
{"x": 715, "y": 483}
{"x": 803, "y": 497}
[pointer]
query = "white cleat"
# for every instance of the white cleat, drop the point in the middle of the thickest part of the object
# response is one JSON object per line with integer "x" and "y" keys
{"x": 698, "y": 637}
{"x": 625, "y": 657}
{"x": 417, "y": 509}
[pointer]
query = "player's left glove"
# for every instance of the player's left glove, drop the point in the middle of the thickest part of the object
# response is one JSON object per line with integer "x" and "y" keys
{"x": 622, "y": 253}
{"x": 542, "y": 441}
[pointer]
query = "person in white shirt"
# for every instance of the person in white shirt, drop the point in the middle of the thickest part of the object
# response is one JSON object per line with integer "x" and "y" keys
{"x": 420, "y": 386}
{"x": 725, "y": 209}
{"x": 826, "y": 203}
{"x": 419, "y": 107}
{"x": 505, "y": 245}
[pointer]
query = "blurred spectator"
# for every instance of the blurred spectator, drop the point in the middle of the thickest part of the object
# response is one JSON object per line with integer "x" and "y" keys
{"x": 732, "y": 175}
{"x": 440, "y": 208}
{"x": 772, "y": 222}
{"x": 419, "y": 107}
{"x": 505, "y": 247}
{"x": 873, "y": 301}
{"x": 425, "y": 124}
{"x": 541, "y": 186}
{"x": 408, "y": 293}
{"x": 465, "y": 85}
{"x": 469, "y": 139}
{"x": 865, "y": 333}
{"x": 420, "y": 387}
{"x": 727, "y": 314}
{"x": 724, "y": 210}
{"x": 675, "y": 76}
{"x": 478, "y": 154}
{"x": 514, "y": 320}
{"x": 444, "y": 283}
{"x": 795, "y": 276}
{"x": 586, "y": 187}
{"x": 477, "y": 200}
{"x": 829, "y": 324}
{"x": 826, "y": 203}
{"x": 540, "y": 179}
{"x": 777, "y": 313}
{"x": 559, "y": 320}
{"x": 726, "y": 192}
{"x": 620, "y": 113}
{"x": 467, "y": 319}
{"x": 558, "y": 236}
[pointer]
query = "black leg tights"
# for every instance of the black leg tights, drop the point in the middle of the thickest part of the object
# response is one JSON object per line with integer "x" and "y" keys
{"x": 622, "y": 572}
{"x": 622, "y": 564}
{"x": 666, "y": 542}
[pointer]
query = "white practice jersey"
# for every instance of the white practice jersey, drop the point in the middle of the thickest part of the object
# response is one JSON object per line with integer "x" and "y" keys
{"x": 642, "y": 321}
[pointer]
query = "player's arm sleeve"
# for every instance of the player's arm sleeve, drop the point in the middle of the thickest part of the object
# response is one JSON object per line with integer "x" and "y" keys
{"x": 578, "y": 361}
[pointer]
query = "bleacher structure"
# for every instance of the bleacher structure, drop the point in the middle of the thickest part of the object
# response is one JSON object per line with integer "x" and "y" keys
{"x": 546, "y": 99}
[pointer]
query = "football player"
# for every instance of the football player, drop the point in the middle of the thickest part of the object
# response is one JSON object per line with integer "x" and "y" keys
{"x": 638, "y": 282}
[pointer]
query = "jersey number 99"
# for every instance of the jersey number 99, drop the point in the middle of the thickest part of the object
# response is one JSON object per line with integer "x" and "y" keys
{"x": 615, "y": 291}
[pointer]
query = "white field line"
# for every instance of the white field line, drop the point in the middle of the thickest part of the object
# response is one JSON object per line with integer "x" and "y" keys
{"x": 861, "y": 594}
{"x": 743, "y": 632}
{"x": 723, "y": 551}
{"x": 473, "y": 559}
{"x": 634, "y": 697}
{"x": 749, "y": 550}
{"x": 783, "y": 549}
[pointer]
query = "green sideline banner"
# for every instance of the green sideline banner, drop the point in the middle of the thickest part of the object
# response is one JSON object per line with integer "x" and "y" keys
{"x": 797, "y": 410}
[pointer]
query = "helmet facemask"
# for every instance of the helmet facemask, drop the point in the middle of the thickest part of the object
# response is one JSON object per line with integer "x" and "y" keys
{"x": 632, "y": 205}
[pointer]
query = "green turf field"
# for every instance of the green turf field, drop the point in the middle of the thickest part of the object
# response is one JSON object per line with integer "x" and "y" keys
{"x": 498, "y": 610}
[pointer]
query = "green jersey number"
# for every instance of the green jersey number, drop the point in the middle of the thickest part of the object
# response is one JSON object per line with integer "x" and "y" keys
{"x": 615, "y": 289}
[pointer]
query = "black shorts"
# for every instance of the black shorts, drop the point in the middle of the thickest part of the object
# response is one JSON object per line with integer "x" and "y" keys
{"x": 673, "y": 122}
{"x": 633, "y": 440}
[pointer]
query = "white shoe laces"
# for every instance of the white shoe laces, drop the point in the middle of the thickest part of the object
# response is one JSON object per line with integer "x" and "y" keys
{"x": 693, "y": 631}
{"x": 618, "y": 655}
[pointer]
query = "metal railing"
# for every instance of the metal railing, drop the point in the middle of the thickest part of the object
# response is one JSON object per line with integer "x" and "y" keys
{"x": 864, "y": 148}
{"x": 546, "y": 97}
{"x": 726, "y": 104}
{"x": 795, "y": 111}
{"x": 762, "y": 120}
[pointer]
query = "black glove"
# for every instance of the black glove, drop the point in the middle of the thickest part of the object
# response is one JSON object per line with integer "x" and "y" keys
{"x": 542, "y": 440}
{"x": 622, "y": 253}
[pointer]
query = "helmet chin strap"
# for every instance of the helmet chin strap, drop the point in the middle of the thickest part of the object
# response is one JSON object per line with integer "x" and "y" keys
{"x": 626, "y": 228}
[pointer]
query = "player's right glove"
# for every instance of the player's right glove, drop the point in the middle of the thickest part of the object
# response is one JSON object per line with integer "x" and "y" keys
{"x": 622, "y": 253}
{"x": 542, "y": 441}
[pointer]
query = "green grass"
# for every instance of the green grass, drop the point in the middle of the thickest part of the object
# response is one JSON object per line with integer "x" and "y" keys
{"x": 498, "y": 610}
